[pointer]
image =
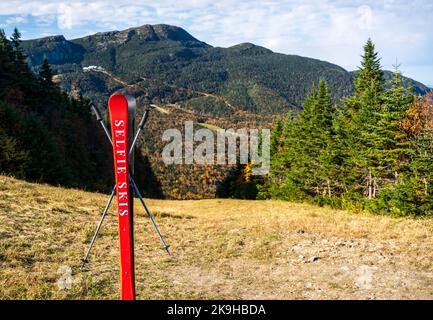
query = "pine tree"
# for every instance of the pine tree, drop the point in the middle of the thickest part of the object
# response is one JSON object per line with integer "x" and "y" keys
{"x": 300, "y": 166}
{"x": 4, "y": 42}
{"x": 326, "y": 110}
{"x": 45, "y": 72}
{"x": 370, "y": 74}
{"x": 358, "y": 126}
{"x": 276, "y": 137}
{"x": 16, "y": 38}
{"x": 317, "y": 139}
{"x": 392, "y": 141}
{"x": 302, "y": 179}
{"x": 377, "y": 145}
{"x": 280, "y": 160}
{"x": 13, "y": 153}
{"x": 325, "y": 139}
{"x": 413, "y": 193}
{"x": 421, "y": 166}
{"x": 19, "y": 56}
{"x": 5, "y": 61}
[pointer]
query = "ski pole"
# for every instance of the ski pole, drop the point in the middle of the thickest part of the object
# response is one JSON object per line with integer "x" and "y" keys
{"x": 99, "y": 119}
{"x": 107, "y": 133}
{"x": 165, "y": 246}
{"x": 85, "y": 259}
{"x": 140, "y": 128}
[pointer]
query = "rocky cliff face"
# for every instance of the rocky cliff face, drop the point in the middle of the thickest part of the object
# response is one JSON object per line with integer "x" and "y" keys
{"x": 56, "y": 49}
{"x": 143, "y": 34}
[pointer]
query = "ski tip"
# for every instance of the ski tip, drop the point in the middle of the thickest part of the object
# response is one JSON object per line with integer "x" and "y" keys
{"x": 117, "y": 98}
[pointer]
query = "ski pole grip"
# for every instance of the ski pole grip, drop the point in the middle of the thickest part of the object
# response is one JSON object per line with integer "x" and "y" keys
{"x": 96, "y": 111}
{"x": 144, "y": 119}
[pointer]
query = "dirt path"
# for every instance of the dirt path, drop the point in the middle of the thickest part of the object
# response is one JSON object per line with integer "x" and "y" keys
{"x": 277, "y": 250}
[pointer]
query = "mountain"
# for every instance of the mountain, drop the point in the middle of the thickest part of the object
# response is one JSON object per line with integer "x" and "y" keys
{"x": 243, "y": 86}
{"x": 249, "y": 77}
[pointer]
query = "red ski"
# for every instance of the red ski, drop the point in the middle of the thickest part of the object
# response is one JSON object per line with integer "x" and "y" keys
{"x": 118, "y": 106}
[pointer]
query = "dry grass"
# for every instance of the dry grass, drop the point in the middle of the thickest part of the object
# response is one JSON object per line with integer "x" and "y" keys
{"x": 221, "y": 249}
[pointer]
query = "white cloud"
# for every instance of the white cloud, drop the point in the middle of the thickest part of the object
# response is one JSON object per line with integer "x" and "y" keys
{"x": 365, "y": 18}
{"x": 65, "y": 17}
{"x": 16, "y": 20}
{"x": 332, "y": 30}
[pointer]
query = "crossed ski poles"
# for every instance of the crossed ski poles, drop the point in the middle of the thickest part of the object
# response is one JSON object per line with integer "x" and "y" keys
{"x": 134, "y": 185}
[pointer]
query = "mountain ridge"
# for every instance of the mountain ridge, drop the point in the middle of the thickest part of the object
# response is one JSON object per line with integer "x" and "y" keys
{"x": 250, "y": 76}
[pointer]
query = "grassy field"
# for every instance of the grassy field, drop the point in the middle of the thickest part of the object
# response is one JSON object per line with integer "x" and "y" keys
{"x": 220, "y": 249}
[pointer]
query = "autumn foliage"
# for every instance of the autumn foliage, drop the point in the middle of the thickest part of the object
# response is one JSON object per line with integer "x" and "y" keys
{"x": 420, "y": 115}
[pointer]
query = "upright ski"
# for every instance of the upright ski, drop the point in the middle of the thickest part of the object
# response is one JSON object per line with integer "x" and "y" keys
{"x": 123, "y": 138}
{"x": 118, "y": 106}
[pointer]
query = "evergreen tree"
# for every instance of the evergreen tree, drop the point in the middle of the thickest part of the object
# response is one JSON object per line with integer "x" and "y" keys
{"x": 6, "y": 67}
{"x": 301, "y": 148}
{"x": 16, "y": 39}
{"x": 374, "y": 152}
{"x": 325, "y": 137}
{"x": 45, "y": 72}
{"x": 421, "y": 166}
{"x": 300, "y": 167}
{"x": 13, "y": 154}
{"x": 276, "y": 137}
{"x": 316, "y": 125}
{"x": 359, "y": 126}
{"x": 370, "y": 74}
{"x": 19, "y": 56}
{"x": 392, "y": 142}
{"x": 4, "y": 43}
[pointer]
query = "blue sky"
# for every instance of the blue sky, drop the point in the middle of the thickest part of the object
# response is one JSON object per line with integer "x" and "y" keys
{"x": 331, "y": 30}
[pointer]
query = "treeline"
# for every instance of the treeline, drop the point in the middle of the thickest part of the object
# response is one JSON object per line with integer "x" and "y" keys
{"x": 45, "y": 135}
{"x": 372, "y": 151}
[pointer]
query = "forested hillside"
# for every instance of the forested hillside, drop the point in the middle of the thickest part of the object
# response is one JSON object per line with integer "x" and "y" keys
{"x": 68, "y": 147}
{"x": 372, "y": 151}
{"x": 48, "y": 136}
{"x": 44, "y": 134}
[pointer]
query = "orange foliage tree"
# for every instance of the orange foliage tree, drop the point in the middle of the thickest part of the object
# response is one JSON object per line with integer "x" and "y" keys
{"x": 420, "y": 115}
